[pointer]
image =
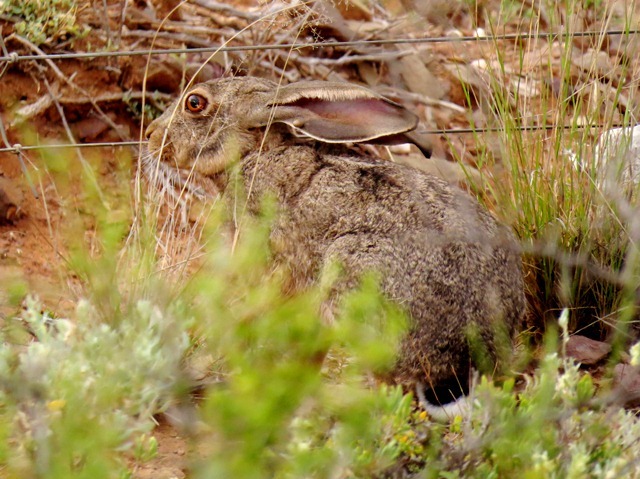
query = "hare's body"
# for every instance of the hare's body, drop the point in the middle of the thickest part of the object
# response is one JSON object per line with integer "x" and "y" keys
{"x": 440, "y": 256}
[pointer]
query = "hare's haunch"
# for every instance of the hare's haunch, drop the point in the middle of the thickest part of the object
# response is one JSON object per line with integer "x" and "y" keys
{"x": 440, "y": 255}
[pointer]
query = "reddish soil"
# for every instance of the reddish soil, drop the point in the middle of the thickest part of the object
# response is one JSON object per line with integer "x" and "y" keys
{"x": 30, "y": 249}
{"x": 35, "y": 231}
{"x": 34, "y": 238}
{"x": 170, "y": 463}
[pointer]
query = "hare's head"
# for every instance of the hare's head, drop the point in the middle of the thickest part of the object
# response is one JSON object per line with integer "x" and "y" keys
{"x": 216, "y": 123}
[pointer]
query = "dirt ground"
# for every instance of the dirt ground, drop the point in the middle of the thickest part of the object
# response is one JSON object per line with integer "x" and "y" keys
{"x": 101, "y": 105}
{"x": 170, "y": 463}
{"x": 34, "y": 234}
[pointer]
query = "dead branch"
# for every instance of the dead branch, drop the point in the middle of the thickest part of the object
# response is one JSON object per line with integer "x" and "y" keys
{"x": 227, "y": 10}
{"x": 69, "y": 82}
{"x": 189, "y": 40}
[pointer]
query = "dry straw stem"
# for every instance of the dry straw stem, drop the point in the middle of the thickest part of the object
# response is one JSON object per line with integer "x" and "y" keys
{"x": 549, "y": 183}
{"x": 179, "y": 221}
{"x": 517, "y": 82}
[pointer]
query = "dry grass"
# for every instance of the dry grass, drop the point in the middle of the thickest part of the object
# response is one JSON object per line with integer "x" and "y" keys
{"x": 537, "y": 106}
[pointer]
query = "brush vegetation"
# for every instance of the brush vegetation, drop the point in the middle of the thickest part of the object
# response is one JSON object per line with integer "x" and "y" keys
{"x": 80, "y": 395}
{"x": 44, "y": 21}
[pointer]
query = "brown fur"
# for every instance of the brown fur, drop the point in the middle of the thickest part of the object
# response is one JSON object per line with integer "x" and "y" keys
{"x": 441, "y": 256}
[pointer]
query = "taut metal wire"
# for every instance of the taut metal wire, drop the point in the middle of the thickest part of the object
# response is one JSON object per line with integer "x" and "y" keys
{"x": 443, "y": 131}
{"x": 298, "y": 46}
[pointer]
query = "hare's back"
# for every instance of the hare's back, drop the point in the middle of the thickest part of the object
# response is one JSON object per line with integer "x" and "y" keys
{"x": 439, "y": 253}
{"x": 391, "y": 198}
{"x": 334, "y": 195}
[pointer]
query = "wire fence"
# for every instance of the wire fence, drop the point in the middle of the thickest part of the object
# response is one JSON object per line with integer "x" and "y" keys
{"x": 17, "y": 148}
{"x": 13, "y": 57}
{"x": 298, "y": 46}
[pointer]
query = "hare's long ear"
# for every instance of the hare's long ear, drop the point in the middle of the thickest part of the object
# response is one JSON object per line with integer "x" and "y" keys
{"x": 336, "y": 112}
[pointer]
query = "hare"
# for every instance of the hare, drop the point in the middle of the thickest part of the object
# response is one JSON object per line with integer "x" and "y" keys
{"x": 455, "y": 270}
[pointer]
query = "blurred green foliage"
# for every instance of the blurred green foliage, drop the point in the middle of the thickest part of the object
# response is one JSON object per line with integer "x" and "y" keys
{"x": 285, "y": 393}
{"x": 44, "y": 21}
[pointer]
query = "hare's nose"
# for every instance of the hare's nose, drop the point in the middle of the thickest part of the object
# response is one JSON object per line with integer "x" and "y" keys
{"x": 153, "y": 126}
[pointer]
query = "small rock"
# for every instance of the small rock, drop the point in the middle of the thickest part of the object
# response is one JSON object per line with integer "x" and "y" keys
{"x": 88, "y": 129}
{"x": 626, "y": 378}
{"x": 587, "y": 351}
{"x": 418, "y": 78}
{"x": 165, "y": 76}
{"x": 331, "y": 19}
{"x": 355, "y": 10}
{"x": 595, "y": 60}
{"x": 8, "y": 210}
{"x": 617, "y": 159}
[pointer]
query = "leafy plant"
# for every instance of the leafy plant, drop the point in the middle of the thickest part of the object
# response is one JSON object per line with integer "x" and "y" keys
{"x": 45, "y": 21}
{"x": 83, "y": 389}
{"x": 284, "y": 394}
{"x": 556, "y": 426}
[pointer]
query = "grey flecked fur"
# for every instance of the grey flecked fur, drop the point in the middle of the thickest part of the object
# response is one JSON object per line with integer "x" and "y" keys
{"x": 441, "y": 256}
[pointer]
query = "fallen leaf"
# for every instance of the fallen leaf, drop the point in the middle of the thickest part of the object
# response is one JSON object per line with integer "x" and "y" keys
{"x": 418, "y": 78}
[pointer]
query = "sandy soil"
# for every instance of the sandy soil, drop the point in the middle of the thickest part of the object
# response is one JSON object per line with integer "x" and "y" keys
{"x": 34, "y": 239}
{"x": 34, "y": 230}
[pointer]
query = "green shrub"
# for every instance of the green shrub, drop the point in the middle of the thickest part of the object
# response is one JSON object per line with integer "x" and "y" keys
{"x": 555, "y": 427}
{"x": 285, "y": 394}
{"x": 83, "y": 389}
{"x": 44, "y": 21}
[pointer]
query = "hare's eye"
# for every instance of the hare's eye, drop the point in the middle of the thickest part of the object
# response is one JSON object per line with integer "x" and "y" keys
{"x": 196, "y": 103}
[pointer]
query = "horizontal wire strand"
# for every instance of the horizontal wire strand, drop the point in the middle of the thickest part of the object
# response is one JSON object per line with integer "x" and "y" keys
{"x": 445, "y": 131}
{"x": 514, "y": 36}
{"x": 297, "y": 46}
{"x": 113, "y": 144}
